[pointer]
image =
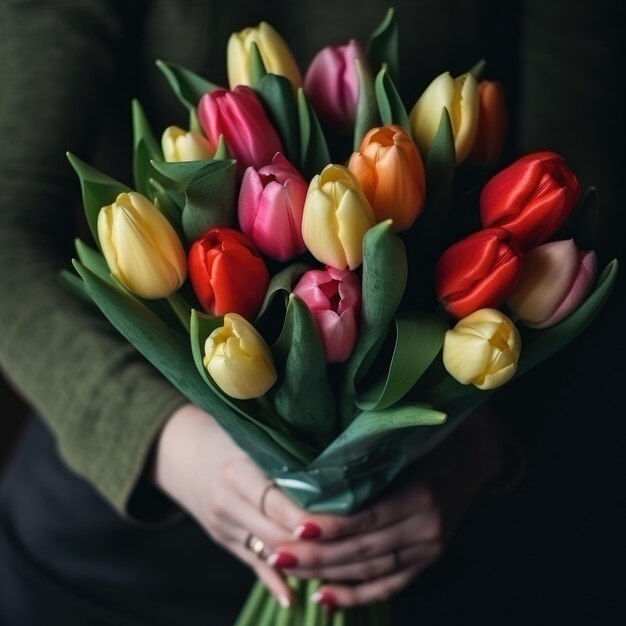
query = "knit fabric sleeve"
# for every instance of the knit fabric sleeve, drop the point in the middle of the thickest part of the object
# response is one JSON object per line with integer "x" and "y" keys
{"x": 104, "y": 403}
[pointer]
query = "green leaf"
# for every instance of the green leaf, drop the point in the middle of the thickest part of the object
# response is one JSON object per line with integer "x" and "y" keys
{"x": 390, "y": 104}
{"x": 383, "y": 283}
{"x": 278, "y": 96}
{"x": 366, "y": 111}
{"x": 304, "y": 397}
{"x": 75, "y": 286}
{"x": 98, "y": 190}
{"x": 170, "y": 353}
{"x": 418, "y": 340}
{"x": 382, "y": 48}
{"x": 370, "y": 428}
{"x": 478, "y": 69}
{"x": 314, "y": 155}
{"x": 181, "y": 173}
{"x": 186, "y": 85}
{"x": 257, "y": 67}
{"x": 222, "y": 152}
{"x": 145, "y": 150}
{"x": 94, "y": 261}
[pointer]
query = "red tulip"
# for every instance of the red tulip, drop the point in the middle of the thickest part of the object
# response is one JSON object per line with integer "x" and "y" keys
{"x": 492, "y": 124}
{"x": 477, "y": 272}
{"x": 239, "y": 116}
{"x": 227, "y": 273}
{"x": 532, "y": 198}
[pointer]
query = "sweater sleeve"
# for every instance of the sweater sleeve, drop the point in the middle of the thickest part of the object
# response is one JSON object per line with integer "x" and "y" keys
{"x": 103, "y": 402}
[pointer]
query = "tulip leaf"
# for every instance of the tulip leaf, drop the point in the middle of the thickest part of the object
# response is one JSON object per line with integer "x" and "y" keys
{"x": 278, "y": 96}
{"x": 382, "y": 47}
{"x": 369, "y": 430}
{"x": 478, "y": 69}
{"x": 390, "y": 105}
{"x": 186, "y": 85}
{"x": 210, "y": 199}
{"x": 384, "y": 278}
{"x": 169, "y": 207}
{"x": 418, "y": 340}
{"x": 222, "y": 151}
{"x": 547, "y": 341}
{"x": 182, "y": 172}
{"x": 303, "y": 396}
{"x": 314, "y": 155}
{"x": 75, "y": 286}
{"x": 98, "y": 190}
{"x": 366, "y": 110}
{"x": 145, "y": 150}
{"x": 257, "y": 67}
{"x": 93, "y": 260}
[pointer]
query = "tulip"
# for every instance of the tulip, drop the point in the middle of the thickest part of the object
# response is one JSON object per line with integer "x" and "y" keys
{"x": 227, "y": 273}
{"x": 477, "y": 272}
{"x": 332, "y": 83}
{"x": 271, "y": 201}
{"x": 141, "y": 247}
{"x": 555, "y": 279}
{"x": 239, "y": 116}
{"x": 391, "y": 173}
{"x": 492, "y": 124}
{"x": 238, "y": 359}
{"x": 180, "y": 145}
{"x": 336, "y": 217}
{"x": 460, "y": 97}
{"x": 532, "y": 198}
{"x": 482, "y": 349}
{"x": 275, "y": 53}
{"x": 334, "y": 298}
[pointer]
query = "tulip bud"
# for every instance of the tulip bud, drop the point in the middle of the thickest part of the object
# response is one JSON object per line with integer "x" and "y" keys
{"x": 334, "y": 298}
{"x": 532, "y": 198}
{"x": 332, "y": 83}
{"x": 391, "y": 173}
{"x": 180, "y": 145}
{"x": 227, "y": 273}
{"x": 477, "y": 272}
{"x": 482, "y": 349}
{"x": 275, "y": 53}
{"x": 238, "y": 359}
{"x": 141, "y": 247}
{"x": 460, "y": 97}
{"x": 492, "y": 124}
{"x": 271, "y": 201}
{"x": 239, "y": 116}
{"x": 555, "y": 279}
{"x": 336, "y": 217}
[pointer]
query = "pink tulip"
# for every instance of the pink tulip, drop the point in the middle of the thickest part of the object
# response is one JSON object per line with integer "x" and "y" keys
{"x": 555, "y": 279}
{"x": 332, "y": 83}
{"x": 334, "y": 298}
{"x": 270, "y": 208}
{"x": 239, "y": 116}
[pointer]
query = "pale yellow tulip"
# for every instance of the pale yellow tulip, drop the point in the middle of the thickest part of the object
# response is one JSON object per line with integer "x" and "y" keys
{"x": 181, "y": 145}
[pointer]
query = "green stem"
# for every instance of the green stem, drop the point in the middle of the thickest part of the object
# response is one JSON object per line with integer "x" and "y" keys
{"x": 182, "y": 310}
{"x": 253, "y": 606}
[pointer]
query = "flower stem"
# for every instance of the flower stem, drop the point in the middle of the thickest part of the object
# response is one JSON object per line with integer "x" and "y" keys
{"x": 182, "y": 310}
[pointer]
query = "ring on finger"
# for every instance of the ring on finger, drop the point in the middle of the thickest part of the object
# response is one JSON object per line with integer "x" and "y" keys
{"x": 262, "y": 500}
{"x": 255, "y": 544}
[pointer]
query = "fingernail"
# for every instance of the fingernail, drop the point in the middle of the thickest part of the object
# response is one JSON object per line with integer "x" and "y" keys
{"x": 282, "y": 560}
{"x": 284, "y": 601}
{"x": 326, "y": 599}
{"x": 308, "y": 530}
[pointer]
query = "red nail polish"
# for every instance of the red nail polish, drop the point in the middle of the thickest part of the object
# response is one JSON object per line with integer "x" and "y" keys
{"x": 326, "y": 599}
{"x": 282, "y": 560}
{"x": 308, "y": 530}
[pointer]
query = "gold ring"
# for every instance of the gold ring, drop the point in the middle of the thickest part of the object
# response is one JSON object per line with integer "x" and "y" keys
{"x": 263, "y": 497}
{"x": 254, "y": 544}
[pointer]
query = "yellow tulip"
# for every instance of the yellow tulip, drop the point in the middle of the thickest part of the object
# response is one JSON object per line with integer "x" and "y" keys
{"x": 275, "y": 53}
{"x": 336, "y": 217}
{"x": 141, "y": 247}
{"x": 181, "y": 145}
{"x": 460, "y": 97}
{"x": 482, "y": 349}
{"x": 238, "y": 359}
{"x": 391, "y": 173}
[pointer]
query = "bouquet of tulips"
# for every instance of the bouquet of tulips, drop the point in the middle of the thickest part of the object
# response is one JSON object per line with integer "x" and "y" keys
{"x": 302, "y": 264}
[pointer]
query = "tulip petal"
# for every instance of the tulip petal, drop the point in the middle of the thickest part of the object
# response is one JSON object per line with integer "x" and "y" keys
{"x": 465, "y": 356}
{"x": 339, "y": 333}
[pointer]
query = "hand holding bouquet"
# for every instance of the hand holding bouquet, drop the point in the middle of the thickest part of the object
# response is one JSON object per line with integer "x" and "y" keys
{"x": 307, "y": 263}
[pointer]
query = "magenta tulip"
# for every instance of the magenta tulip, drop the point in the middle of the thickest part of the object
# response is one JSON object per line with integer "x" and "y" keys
{"x": 239, "y": 116}
{"x": 270, "y": 208}
{"x": 332, "y": 83}
{"x": 334, "y": 298}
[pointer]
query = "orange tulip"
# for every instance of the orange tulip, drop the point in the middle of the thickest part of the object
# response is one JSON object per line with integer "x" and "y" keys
{"x": 492, "y": 124}
{"x": 391, "y": 173}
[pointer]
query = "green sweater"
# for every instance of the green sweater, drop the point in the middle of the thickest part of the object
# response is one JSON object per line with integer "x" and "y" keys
{"x": 68, "y": 70}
